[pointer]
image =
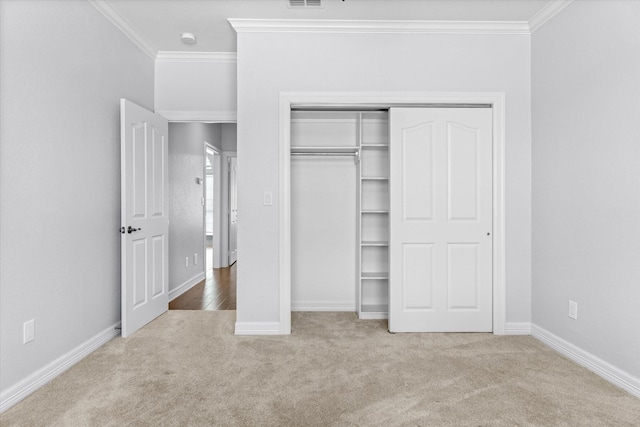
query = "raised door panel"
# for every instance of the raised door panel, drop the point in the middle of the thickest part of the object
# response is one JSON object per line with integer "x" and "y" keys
{"x": 139, "y": 170}
{"x": 417, "y": 172}
{"x": 158, "y": 173}
{"x": 463, "y": 168}
{"x": 417, "y": 272}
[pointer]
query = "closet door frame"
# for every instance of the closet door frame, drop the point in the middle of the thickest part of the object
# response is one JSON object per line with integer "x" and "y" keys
{"x": 496, "y": 100}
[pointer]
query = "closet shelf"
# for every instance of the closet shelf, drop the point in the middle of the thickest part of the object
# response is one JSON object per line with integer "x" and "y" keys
{"x": 342, "y": 149}
{"x": 377, "y": 275}
{"x": 375, "y": 308}
{"x": 376, "y": 211}
{"x": 375, "y": 178}
{"x": 375, "y": 243}
{"x": 379, "y": 146}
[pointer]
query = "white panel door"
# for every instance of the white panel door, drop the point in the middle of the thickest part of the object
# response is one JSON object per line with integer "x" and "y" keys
{"x": 144, "y": 216}
{"x": 440, "y": 277}
{"x": 233, "y": 210}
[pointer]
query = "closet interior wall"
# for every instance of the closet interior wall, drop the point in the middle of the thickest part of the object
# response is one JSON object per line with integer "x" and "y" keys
{"x": 339, "y": 212}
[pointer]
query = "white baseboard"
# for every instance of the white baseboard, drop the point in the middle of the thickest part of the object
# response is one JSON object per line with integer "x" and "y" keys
{"x": 323, "y": 306}
{"x": 181, "y": 289}
{"x": 258, "y": 328}
{"x": 604, "y": 369}
{"x": 25, "y": 387}
{"x": 523, "y": 328}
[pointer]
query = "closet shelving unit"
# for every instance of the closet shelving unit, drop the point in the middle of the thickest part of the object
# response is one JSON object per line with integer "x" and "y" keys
{"x": 373, "y": 216}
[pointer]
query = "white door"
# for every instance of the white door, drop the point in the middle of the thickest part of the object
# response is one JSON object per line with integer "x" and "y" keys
{"x": 440, "y": 220}
{"x": 144, "y": 216}
{"x": 233, "y": 210}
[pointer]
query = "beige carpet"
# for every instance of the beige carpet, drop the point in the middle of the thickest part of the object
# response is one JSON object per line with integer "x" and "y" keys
{"x": 187, "y": 368}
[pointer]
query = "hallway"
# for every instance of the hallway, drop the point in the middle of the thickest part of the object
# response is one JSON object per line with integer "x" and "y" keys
{"x": 216, "y": 292}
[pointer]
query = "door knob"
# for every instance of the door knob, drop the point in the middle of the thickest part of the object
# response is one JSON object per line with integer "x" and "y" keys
{"x": 131, "y": 229}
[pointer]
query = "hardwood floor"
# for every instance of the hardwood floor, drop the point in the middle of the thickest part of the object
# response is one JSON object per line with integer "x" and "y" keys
{"x": 216, "y": 292}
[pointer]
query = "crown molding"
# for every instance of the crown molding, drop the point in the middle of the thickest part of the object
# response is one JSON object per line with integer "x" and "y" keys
{"x": 546, "y": 13}
{"x": 180, "y": 56}
{"x": 377, "y": 26}
{"x": 109, "y": 12}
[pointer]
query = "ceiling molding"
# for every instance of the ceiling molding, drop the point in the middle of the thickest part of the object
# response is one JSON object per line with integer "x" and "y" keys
{"x": 180, "y": 56}
{"x": 546, "y": 13}
{"x": 377, "y": 26}
{"x": 105, "y": 8}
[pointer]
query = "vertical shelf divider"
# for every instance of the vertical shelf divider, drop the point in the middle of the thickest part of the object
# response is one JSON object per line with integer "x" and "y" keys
{"x": 373, "y": 218}
{"x": 359, "y": 217}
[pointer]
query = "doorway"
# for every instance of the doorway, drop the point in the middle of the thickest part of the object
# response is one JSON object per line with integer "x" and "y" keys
{"x": 200, "y": 189}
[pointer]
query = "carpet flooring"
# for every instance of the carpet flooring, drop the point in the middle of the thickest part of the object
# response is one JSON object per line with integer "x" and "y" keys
{"x": 187, "y": 368}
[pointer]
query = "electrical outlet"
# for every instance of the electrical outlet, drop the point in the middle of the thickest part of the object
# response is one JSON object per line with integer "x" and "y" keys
{"x": 186, "y": 262}
{"x": 28, "y": 331}
{"x": 195, "y": 259}
{"x": 573, "y": 310}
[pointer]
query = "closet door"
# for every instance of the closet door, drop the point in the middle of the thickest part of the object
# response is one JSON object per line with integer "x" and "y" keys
{"x": 440, "y": 220}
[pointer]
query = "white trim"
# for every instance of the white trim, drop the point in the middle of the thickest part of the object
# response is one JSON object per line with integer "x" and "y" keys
{"x": 258, "y": 328}
{"x": 25, "y": 387}
{"x": 184, "y": 287}
{"x": 614, "y": 375}
{"x": 127, "y": 29}
{"x": 224, "y": 193}
{"x": 217, "y": 206}
{"x": 523, "y": 328}
{"x": 180, "y": 56}
{"x": 377, "y": 26}
{"x": 200, "y": 116}
{"x": 323, "y": 306}
{"x": 546, "y": 13}
{"x": 496, "y": 99}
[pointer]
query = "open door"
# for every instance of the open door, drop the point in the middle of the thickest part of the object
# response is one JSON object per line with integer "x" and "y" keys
{"x": 144, "y": 216}
{"x": 441, "y": 220}
{"x": 233, "y": 210}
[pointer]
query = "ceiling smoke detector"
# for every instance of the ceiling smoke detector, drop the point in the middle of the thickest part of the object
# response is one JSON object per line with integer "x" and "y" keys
{"x": 304, "y": 3}
{"x": 188, "y": 38}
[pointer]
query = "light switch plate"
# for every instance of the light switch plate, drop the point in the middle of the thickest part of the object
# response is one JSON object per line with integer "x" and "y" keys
{"x": 573, "y": 310}
{"x": 29, "y": 331}
{"x": 268, "y": 198}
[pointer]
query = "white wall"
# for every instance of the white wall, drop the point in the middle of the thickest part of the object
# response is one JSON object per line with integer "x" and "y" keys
{"x": 196, "y": 90}
{"x": 586, "y": 179}
{"x": 186, "y": 221}
{"x": 229, "y": 136}
{"x": 63, "y": 68}
{"x": 269, "y": 63}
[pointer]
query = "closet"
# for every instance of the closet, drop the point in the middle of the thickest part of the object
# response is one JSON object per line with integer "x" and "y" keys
{"x": 340, "y": 212}
{"x": 392, "y": 214}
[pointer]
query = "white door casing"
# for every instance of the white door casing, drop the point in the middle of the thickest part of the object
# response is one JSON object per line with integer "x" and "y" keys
{"x": 291, "y": 100}
{"x": 144, "y": 216}
{"x": 233, "y": 209}
{"x": 440, "y": 220}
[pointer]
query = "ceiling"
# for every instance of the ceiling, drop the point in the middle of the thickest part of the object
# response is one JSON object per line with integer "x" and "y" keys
{"x": 161, "y": 22}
